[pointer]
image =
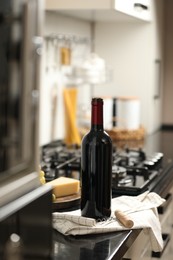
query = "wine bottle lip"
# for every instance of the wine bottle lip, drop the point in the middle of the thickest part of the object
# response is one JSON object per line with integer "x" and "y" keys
{"x": 96, "y": 101}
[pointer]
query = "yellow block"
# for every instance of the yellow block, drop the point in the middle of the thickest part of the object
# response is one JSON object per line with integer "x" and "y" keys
{"x": 64, "y": 186}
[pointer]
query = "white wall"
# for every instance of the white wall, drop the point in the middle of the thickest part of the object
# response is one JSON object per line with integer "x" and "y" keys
{"x": 56, "y": 24}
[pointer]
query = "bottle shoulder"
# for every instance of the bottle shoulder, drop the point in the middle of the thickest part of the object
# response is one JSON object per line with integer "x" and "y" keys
{"x": 98, "y": 136}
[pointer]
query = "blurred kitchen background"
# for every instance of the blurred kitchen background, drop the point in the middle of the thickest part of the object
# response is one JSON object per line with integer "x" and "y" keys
{"x": 110, "y": 49}
{"x": 120, "y": 50}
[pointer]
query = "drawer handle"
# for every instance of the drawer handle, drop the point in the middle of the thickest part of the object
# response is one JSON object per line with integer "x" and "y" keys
{"x": 140, "y": 6}
{"x": 163, "y": 207}
{"x": 166, "y": 238}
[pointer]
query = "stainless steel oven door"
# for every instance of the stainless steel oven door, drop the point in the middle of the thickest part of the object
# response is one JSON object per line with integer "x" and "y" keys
{"x": 20, "y": 50}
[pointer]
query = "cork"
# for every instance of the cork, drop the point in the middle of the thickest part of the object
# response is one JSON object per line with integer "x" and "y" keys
{"x": 124, "y": 219}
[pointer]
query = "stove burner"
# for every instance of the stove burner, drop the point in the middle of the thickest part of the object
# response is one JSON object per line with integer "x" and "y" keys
{"x": 128, "y": 181}
{"x": 119, "y": 176}
{"x": 118, "y": 172}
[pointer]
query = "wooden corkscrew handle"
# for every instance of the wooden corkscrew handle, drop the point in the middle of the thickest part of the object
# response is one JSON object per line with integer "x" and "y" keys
{"x": 124, "y": 219}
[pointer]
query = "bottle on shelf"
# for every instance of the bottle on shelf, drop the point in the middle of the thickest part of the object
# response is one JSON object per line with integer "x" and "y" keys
{"x": 96, "y": 167}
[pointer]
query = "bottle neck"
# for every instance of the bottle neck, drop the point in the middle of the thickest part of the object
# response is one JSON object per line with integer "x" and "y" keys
{"x": 97, "y": 114}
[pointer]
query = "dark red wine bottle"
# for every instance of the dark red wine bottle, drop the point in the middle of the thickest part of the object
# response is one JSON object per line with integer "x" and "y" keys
{"x": 96, "y": 167}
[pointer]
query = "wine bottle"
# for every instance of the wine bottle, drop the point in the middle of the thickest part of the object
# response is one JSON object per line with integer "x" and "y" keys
{"x": 96, "y": 167}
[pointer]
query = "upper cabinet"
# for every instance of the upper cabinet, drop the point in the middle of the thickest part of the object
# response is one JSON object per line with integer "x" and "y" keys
{"x": 138, "y": 8}
{"x": 98, "y": 10}
{"x": 78, "y": 4}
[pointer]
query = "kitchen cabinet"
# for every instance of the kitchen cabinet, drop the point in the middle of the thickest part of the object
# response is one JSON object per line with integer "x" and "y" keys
{"x": 141, "y": 248}
{"x": 140, "y": 9}
{"x": 77, "y": 4}
{"x": 116, "y": 10}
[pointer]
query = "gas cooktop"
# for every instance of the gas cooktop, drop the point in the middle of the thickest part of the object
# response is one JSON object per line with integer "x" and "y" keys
{"x": 133, "y": 170}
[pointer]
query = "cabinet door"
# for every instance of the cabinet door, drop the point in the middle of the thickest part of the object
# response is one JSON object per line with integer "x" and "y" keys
{"x": 137, "y": 8}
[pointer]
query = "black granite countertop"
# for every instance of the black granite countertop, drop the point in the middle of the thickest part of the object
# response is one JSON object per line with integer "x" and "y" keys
{"x": 115, "y": 245}
{"x": 88, "y": 247}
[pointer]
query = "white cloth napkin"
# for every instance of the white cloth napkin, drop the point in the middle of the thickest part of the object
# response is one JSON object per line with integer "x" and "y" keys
{"x": 141, "y": 209}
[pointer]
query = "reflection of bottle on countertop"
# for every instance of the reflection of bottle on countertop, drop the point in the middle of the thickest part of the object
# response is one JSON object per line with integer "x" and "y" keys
{"x": 96, "y": 167}
{"x": 99, "y": 249}
{"x": 13, "y": 248}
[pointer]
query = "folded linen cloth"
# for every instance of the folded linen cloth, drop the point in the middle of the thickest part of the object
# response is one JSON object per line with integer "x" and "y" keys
{"x": 141, "y": 209}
